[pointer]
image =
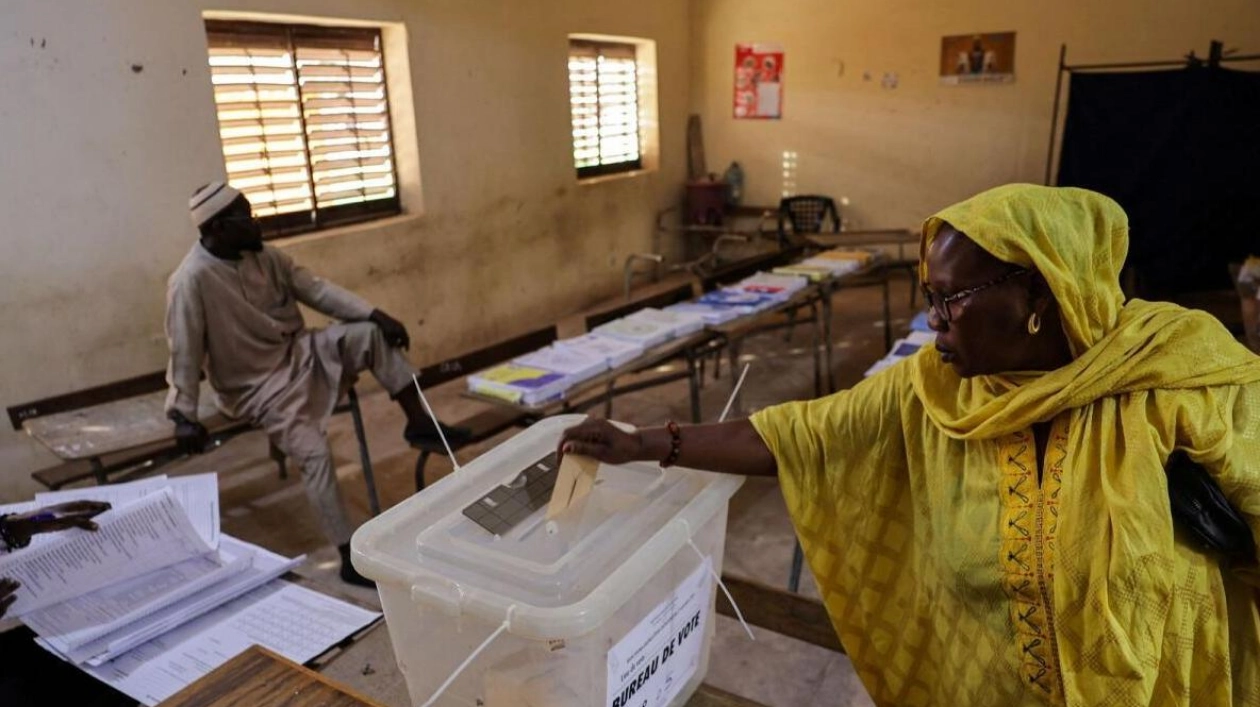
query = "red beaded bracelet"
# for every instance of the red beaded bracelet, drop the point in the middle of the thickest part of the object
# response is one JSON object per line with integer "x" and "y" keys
{"x": 675, "y": 444}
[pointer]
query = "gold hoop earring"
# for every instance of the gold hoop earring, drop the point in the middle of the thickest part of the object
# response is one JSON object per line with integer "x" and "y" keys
{"x": 1034, "y": 324}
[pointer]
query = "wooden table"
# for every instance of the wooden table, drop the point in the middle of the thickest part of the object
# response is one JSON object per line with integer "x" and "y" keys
{"x": 260, "y": 678}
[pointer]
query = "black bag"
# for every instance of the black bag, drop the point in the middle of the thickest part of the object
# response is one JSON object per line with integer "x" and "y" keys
{"x": 1201, "y": 510}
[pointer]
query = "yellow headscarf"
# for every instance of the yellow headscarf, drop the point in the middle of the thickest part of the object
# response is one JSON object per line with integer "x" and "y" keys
{"x": 1077, "y": 239}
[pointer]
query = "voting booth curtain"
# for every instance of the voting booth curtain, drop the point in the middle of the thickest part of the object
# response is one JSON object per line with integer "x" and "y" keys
{"x": 1180, "y": 151}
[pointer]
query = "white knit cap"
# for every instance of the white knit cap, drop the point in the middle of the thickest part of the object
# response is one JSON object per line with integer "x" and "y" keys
{"x": 209, "y": 201}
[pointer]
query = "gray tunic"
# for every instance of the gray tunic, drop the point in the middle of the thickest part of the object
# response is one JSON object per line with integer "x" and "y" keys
{"x": 243, "y": 315}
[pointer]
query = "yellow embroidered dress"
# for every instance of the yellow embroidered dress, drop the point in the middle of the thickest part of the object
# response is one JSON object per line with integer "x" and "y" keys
{"x": 954, "y": 576}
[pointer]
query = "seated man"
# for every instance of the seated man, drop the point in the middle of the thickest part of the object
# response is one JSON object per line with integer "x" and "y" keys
{"x": 233, "y": 305}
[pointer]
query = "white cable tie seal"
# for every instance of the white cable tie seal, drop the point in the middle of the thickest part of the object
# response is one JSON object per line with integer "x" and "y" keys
{"x": 713, "y": 573}
{"x": 436, "y": 424}
{"x": 507, "y": 622}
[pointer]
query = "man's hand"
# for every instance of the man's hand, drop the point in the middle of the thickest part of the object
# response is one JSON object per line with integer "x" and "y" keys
{"x": 394, "y": 331}
{"x": 8, "y": 593}
{"x": 190, "y": 436}
{"x": 20, "y": 527}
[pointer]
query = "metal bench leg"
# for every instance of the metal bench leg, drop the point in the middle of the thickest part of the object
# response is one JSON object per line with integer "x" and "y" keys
{"x": 424, "y": 458}
{"x": 798, "y": 562}
{"x": 608, "y": 403}
{"x": 278, "y": 457}
{"x": 98, "y": 472}
{"x": 816, "y": 319}
{"x": 887, "y": 317}
{"x": 693, "y": 386}
{"x": 365, "y": 458}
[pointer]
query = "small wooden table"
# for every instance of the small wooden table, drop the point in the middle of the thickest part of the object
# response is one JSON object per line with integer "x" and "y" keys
{"x": 260, "y": 678}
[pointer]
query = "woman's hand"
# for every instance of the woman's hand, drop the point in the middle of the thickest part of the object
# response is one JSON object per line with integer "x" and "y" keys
{"x": 602, "y": 440}
{"x": 20, "y": 527}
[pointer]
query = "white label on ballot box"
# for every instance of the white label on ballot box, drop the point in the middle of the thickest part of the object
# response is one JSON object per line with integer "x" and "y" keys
{"x": 655, "y": 660}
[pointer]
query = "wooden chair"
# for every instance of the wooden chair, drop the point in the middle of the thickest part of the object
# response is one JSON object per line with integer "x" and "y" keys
{"x": 493, "y": 419}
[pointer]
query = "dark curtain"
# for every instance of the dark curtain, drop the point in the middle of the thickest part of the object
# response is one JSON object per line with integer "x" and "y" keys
{"x": 1180, "y": 151}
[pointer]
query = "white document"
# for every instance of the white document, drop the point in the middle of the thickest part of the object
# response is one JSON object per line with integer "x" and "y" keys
{"x": 264, "y": 567}
{"x": 198, "y": 494}
{"x": 656, "y": 659}
{"x": 290, "y": 620}
{"x": 83, "y": 619}
{"x": 147, "y": 535}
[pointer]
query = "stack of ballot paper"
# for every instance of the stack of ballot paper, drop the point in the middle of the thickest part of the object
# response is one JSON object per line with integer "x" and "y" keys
{"x": 779, "y": 285}
{"x": 902, "y": 349}
{"x": 680, "y": 323}
{"x": 526, "y": 385}
{"x": 616, "y": 351}
{"x": 158, "y": 569}
{"x": 711, "y": 313}
{"x": 861, "y": 257}
{"x": 644, "y": 332}
{"x": 575, "y": 365}
{"x": 741, "y": 301}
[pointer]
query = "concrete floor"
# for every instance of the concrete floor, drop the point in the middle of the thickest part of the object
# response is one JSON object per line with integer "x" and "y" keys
{"x": 260, "y": 507}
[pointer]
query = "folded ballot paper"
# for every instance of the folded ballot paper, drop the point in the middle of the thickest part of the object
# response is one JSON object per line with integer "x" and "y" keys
{"x": 616, "y": 352}
{"x": 741, "y": 301}
{"x": 525, "y": 385}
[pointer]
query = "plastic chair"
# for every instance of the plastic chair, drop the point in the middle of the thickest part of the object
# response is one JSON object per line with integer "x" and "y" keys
{"x": 807, "y": 214}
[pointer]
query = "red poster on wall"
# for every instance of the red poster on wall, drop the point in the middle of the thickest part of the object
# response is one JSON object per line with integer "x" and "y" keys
{"x": 759, "y": 81}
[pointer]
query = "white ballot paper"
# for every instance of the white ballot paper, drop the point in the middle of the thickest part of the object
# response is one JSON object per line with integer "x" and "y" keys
{"x": 136, "y": 539}
{"x": 198, "y": 494}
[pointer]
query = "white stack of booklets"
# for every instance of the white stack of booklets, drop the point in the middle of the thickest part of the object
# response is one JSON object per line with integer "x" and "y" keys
{"x": 575, "y": 364}
{"x": 680, "y": 323}
{"x": 643, "y": 332}
{"x": 712, "y": 314}
{"x": 516, "y": 383}
{"x": 616, "y": 351}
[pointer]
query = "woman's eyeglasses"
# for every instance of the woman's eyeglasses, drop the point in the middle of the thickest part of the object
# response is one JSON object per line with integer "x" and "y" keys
{"x": 940, "y": 303}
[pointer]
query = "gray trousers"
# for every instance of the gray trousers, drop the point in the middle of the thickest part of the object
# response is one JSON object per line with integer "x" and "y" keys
{"x": 303, "y": 435}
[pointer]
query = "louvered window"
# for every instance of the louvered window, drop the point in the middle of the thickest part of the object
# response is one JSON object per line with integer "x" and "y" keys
{"x": 604, "y": 101}
{"x": 304, "y": 122}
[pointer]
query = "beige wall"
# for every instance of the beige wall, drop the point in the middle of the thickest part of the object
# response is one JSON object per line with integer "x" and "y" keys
{"x": 99, "y": 160}
{"x": 900, "y": 154}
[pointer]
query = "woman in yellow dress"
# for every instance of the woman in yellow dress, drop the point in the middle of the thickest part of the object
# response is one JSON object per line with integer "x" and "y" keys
{"x": 989, "y": 522}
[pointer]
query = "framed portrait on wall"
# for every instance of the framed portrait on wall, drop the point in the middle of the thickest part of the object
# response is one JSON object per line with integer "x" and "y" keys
{"x": 978, "y": 58}
{"x": 759, "y": 81}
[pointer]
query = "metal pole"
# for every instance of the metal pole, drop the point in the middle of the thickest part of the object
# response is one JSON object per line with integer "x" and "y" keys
{"x": 1054, "y": 113}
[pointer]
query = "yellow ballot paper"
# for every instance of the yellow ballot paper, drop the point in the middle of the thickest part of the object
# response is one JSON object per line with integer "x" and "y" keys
{"x": 574, "y": 481}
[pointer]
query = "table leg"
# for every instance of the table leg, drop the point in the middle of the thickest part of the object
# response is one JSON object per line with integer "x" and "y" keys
{"x": 734, "y": 348}
{"x": 814, "y": 315}
{"x": 887, "y": 316}
{"x": 798, "y": 562}
{"x": 826, "y": 326}
{"x": 365, "y": 458}
{"x": 693, "y": 385}
{"x": 98, "y": 471}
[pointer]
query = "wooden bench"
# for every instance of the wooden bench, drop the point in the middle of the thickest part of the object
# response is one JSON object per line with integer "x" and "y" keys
{"x": 118, "y": 431}
{"x": 493, "y": 419}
